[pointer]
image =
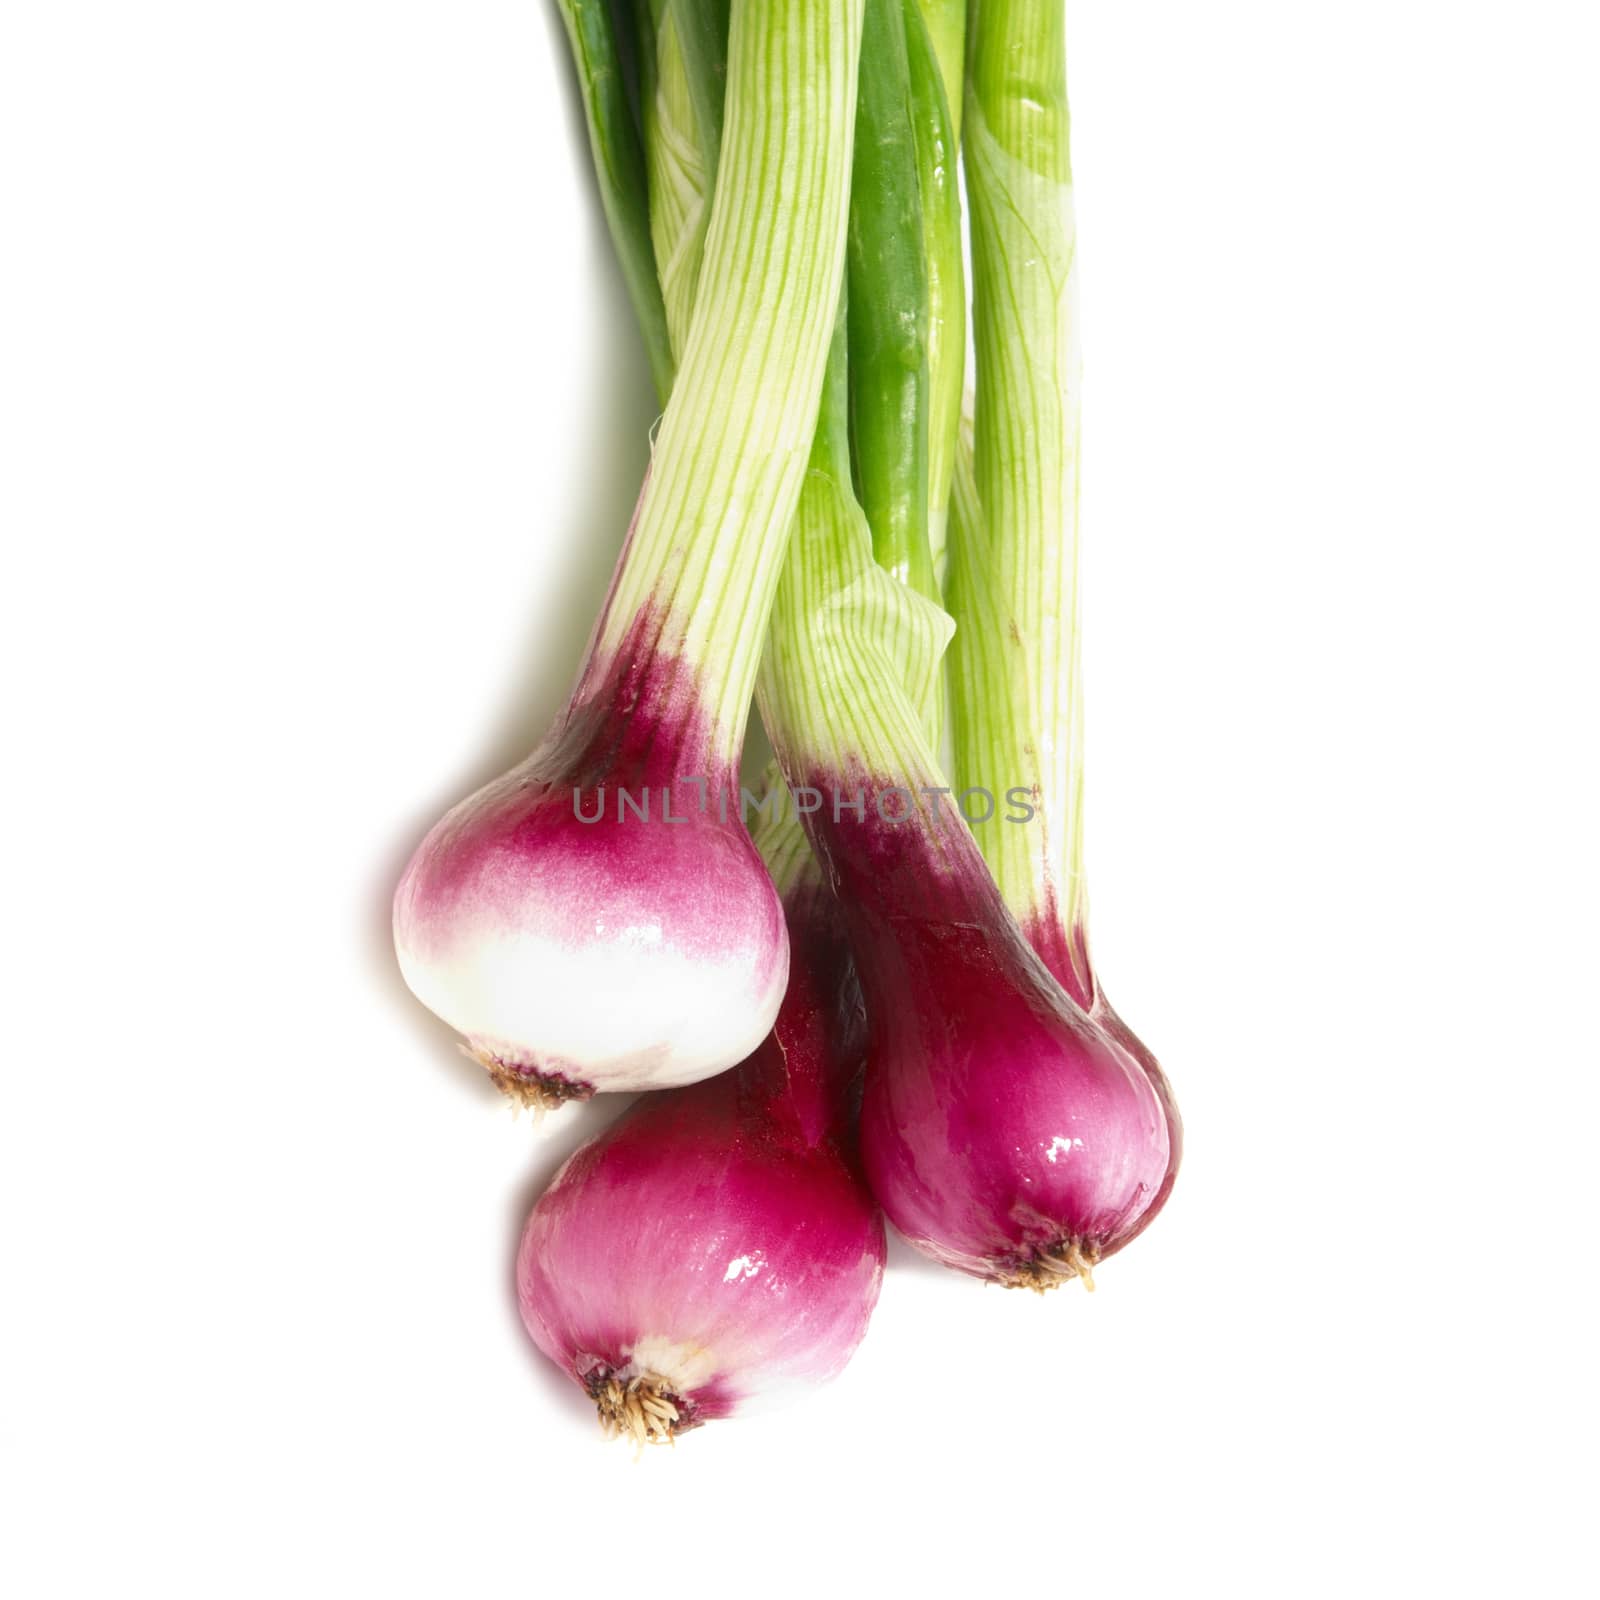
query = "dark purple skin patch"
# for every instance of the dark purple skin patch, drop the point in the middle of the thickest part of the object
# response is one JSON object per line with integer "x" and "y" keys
{"x": 730, "y": 1215}
{"x": 805, "y": 1079}
{"x": 1000, "y": 1123}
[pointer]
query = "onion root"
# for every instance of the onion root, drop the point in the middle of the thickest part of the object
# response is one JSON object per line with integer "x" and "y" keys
{"x": 527, "y": 1088}
{"x": 1051, "y": 1268}
{"x": 640, "y": 1408}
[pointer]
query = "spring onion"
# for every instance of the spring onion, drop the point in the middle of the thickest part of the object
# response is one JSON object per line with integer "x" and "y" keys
{"x": 1015, "y": 664}
{"x": 1003, "y": 1132}
{"x": 576, "y": 955}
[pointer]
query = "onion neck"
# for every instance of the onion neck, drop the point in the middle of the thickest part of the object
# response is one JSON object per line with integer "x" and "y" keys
{"x": 638, "y": 718}
{"x": 851, "y": 667}
{"x": 697, "y": 577}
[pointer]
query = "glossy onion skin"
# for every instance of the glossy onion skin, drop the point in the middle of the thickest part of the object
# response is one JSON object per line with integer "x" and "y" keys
{"x": 618, "y": 953}
{"x": 719, "y": 1241}
{"x": 1065, "y": 951}
{"x": 1000, "y": 1123}
{"x": 615, "y": 955}
{"x": 1120, "y": 1034}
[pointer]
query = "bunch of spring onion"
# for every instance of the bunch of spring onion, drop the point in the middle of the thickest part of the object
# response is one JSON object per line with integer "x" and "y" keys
{"x": 884, "y": 999}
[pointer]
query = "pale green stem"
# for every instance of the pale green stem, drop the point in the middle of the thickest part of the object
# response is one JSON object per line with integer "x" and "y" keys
{"x": 1013, "y": 574}
{"x": 946, "y": 22}
{"x": 714, "y": 519}
{"x": 853, "y": 654}
{"x": 938, "y": 142}
{"x": 681, "y": 169}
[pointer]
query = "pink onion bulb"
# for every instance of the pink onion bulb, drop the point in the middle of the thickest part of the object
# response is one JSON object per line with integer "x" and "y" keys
{"x": 579, "y": 946}
{"x": 1004, "y": 1131}
{"x": 717, "y": 1247}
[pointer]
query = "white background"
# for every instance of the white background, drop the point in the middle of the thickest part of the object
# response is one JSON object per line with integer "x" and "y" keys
{"x": 323, "y": 414}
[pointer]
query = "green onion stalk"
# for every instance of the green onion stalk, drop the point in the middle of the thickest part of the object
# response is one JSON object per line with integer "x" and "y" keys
{"x": 682, "y": 105}
{"x": 1016, "y": 680}
{"x": 945, "y": 22}
{"x": 888, "y": 305}
{"x": 1013, "y": 568}
{"x": 619, "y": 167}
{"x": 934, "y": 57}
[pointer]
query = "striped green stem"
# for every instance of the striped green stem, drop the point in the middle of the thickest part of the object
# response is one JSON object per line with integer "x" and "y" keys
{"x": 681, "y": 165}
{"x": 619, "y": 171}
{"x": 1016, "y": 686}
{"x": 713, "y": 522}
{"x": 936, "y": 145}
{"x": 682, "y": 152}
